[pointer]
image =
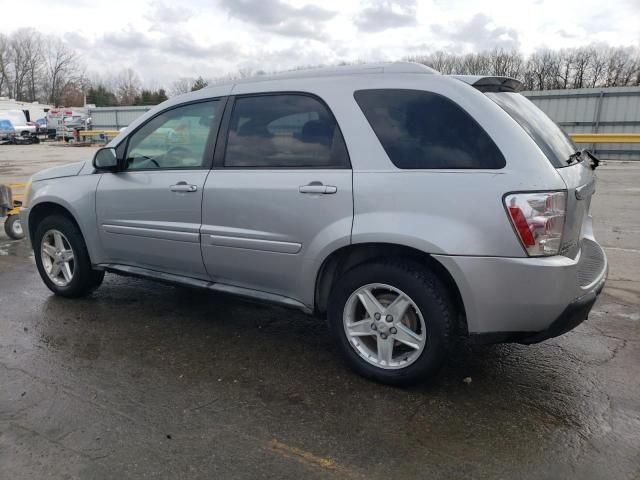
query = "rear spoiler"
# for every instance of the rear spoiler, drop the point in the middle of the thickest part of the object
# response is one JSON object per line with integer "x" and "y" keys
{"x": 491, "y": 84}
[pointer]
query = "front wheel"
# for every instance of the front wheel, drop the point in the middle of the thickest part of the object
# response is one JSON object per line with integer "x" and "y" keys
{"x": 62, "y": 258}
{"x": 391, "y": 320}
{"x": 13, "y": 227}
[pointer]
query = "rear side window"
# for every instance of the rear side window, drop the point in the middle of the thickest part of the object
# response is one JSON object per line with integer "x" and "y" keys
{"x": 424, "y": 130}
{"x": 284, "y": 131}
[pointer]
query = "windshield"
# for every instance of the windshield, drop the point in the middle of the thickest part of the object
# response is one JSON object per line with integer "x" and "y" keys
{"x": 553, "y": 142}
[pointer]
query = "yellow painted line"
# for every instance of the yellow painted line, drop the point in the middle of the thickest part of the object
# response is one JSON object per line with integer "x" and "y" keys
{"x": 311, "y": 459}
{"x": 605, "y": 137}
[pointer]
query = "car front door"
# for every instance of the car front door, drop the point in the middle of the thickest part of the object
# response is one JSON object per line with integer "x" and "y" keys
{"x": 149, "y": 213}
{"x": 279, "y": 194}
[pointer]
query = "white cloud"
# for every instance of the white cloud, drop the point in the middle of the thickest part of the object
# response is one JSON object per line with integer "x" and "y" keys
{"x": 164, "y": 40}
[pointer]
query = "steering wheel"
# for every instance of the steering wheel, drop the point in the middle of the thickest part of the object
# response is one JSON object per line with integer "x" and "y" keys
{"x": 152, "y": 160}
{"x": 175, "y": 154}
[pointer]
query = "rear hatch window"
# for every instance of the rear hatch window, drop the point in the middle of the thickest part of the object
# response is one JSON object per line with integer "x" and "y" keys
{"x": 550, "y": 138}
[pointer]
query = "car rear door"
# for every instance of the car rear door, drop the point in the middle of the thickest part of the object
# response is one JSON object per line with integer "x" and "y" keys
{"x": 280, "y": 192}
{"x": 149, "y": 213}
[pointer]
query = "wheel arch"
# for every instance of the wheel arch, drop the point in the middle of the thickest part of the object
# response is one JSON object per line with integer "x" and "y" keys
{"x": 45, "y": 209}
{"x": 350, "y": 256}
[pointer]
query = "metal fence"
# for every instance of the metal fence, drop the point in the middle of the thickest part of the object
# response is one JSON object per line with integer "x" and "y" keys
{"x": 585, "y": 110}
{"x": 114, "y": 118}
{"x": 595, "y": 110}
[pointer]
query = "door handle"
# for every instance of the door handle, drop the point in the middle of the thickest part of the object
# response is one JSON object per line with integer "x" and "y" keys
{"x": 318, "y": 187}
{"x": 183, "y": 187}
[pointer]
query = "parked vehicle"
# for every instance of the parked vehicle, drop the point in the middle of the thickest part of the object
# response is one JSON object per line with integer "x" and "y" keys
{"x": 407, "y": 207}
{"x": 67, "y": 129}
{"x": 10, "y": 203}
{"x": 19, "y": 120}
{"x": 62, "y": 121}
{"x": 41, "y": 125}
{"x": 7, "y": 132}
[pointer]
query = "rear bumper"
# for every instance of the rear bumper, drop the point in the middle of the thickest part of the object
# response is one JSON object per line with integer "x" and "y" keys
{"x": 573, "y": 315}
{"x": 527, "y": 300}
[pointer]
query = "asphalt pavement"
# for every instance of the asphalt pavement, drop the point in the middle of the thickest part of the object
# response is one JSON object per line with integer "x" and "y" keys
{"x": 143, "y": 380}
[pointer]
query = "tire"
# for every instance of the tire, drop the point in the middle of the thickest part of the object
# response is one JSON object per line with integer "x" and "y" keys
{"x": 430, "y": 305}
{"x": 13, "y": 228}
{"x": 84, "y": 278}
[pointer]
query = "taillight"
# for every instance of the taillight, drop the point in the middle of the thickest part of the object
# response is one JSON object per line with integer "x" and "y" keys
{"x": 538, "y": 219}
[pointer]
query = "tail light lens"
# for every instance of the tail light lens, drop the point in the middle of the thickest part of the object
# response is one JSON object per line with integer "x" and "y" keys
{"x": 538, "y": 219}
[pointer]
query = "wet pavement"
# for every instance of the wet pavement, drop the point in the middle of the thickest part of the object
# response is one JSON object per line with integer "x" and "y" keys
{"x": 143, "y": 380}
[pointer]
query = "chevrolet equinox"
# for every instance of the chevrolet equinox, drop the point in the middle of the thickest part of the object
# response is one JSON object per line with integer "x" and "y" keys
{"x": 405, "y": 206}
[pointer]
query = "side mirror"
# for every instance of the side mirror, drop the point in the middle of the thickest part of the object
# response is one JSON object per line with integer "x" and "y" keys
{"x": 106, "y": 159}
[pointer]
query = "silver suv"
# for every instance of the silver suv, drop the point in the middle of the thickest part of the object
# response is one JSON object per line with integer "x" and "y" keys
{"x": 406, "y": 206}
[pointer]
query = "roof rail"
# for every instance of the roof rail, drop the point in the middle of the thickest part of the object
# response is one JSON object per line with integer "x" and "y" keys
{"x": 356, "y": 69}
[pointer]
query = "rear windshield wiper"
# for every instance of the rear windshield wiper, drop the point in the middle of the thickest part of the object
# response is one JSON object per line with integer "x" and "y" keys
{"x": 578, "y": 157}
{"x": 574, "y": 157}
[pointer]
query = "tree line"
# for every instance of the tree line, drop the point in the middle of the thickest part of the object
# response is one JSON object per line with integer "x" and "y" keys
{"x": 593, "y": 66}
{"x": 584, "y": 67}
{"x": 44, "y": 68}
{"x": 36, "y": 67}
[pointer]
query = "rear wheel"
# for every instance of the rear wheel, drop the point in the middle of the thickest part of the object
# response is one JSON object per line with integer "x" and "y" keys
{"x": 62, "y": 258}
{"x": 391, "y": 320}
{"x": 13, "y": 227}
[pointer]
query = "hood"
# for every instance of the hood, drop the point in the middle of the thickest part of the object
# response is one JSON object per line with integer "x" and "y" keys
{"x": 70, "y": 170}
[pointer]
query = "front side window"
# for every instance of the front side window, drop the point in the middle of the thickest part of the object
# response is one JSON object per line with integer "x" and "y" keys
{"x": 424, "y": 130}
{"x": 283, "y": 131}
{"x": 176, "y": 138}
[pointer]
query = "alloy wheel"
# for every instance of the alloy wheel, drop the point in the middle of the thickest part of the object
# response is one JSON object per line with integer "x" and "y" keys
{"x": 384, "y": 326}
{"x": 57, "y": 257}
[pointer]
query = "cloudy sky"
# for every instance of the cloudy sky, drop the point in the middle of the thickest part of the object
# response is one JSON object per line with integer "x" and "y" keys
{"x": 163, "y": 40}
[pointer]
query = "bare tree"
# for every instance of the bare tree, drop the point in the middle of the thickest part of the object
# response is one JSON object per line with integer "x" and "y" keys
{"x": 5, "y": 69}
{"x": 581, "y": 67}
{"x": 443, "y": 62}
{"x": 18, "y": 63}
{"x": 127, "y": 87}
{"x": 26, "y": 60}
{"x": 505, "y": 63}
{"x": 180, "y": 86}
{"x": 598, "y": 67}
{"x": 541, "y": 69}
{"x": 62, "y": 67}
{"x": 545, "y": 69}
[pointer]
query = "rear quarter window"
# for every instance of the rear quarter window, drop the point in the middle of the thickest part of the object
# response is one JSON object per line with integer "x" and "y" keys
{"x": 425, "y": 130}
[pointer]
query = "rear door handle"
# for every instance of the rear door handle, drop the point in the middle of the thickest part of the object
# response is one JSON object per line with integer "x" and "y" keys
{"x": 183, "y": 187}
{"x": 318, "y": 187}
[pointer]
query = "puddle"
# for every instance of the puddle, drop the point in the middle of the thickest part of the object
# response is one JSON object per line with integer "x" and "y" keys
{"x": 15, "y": 248}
